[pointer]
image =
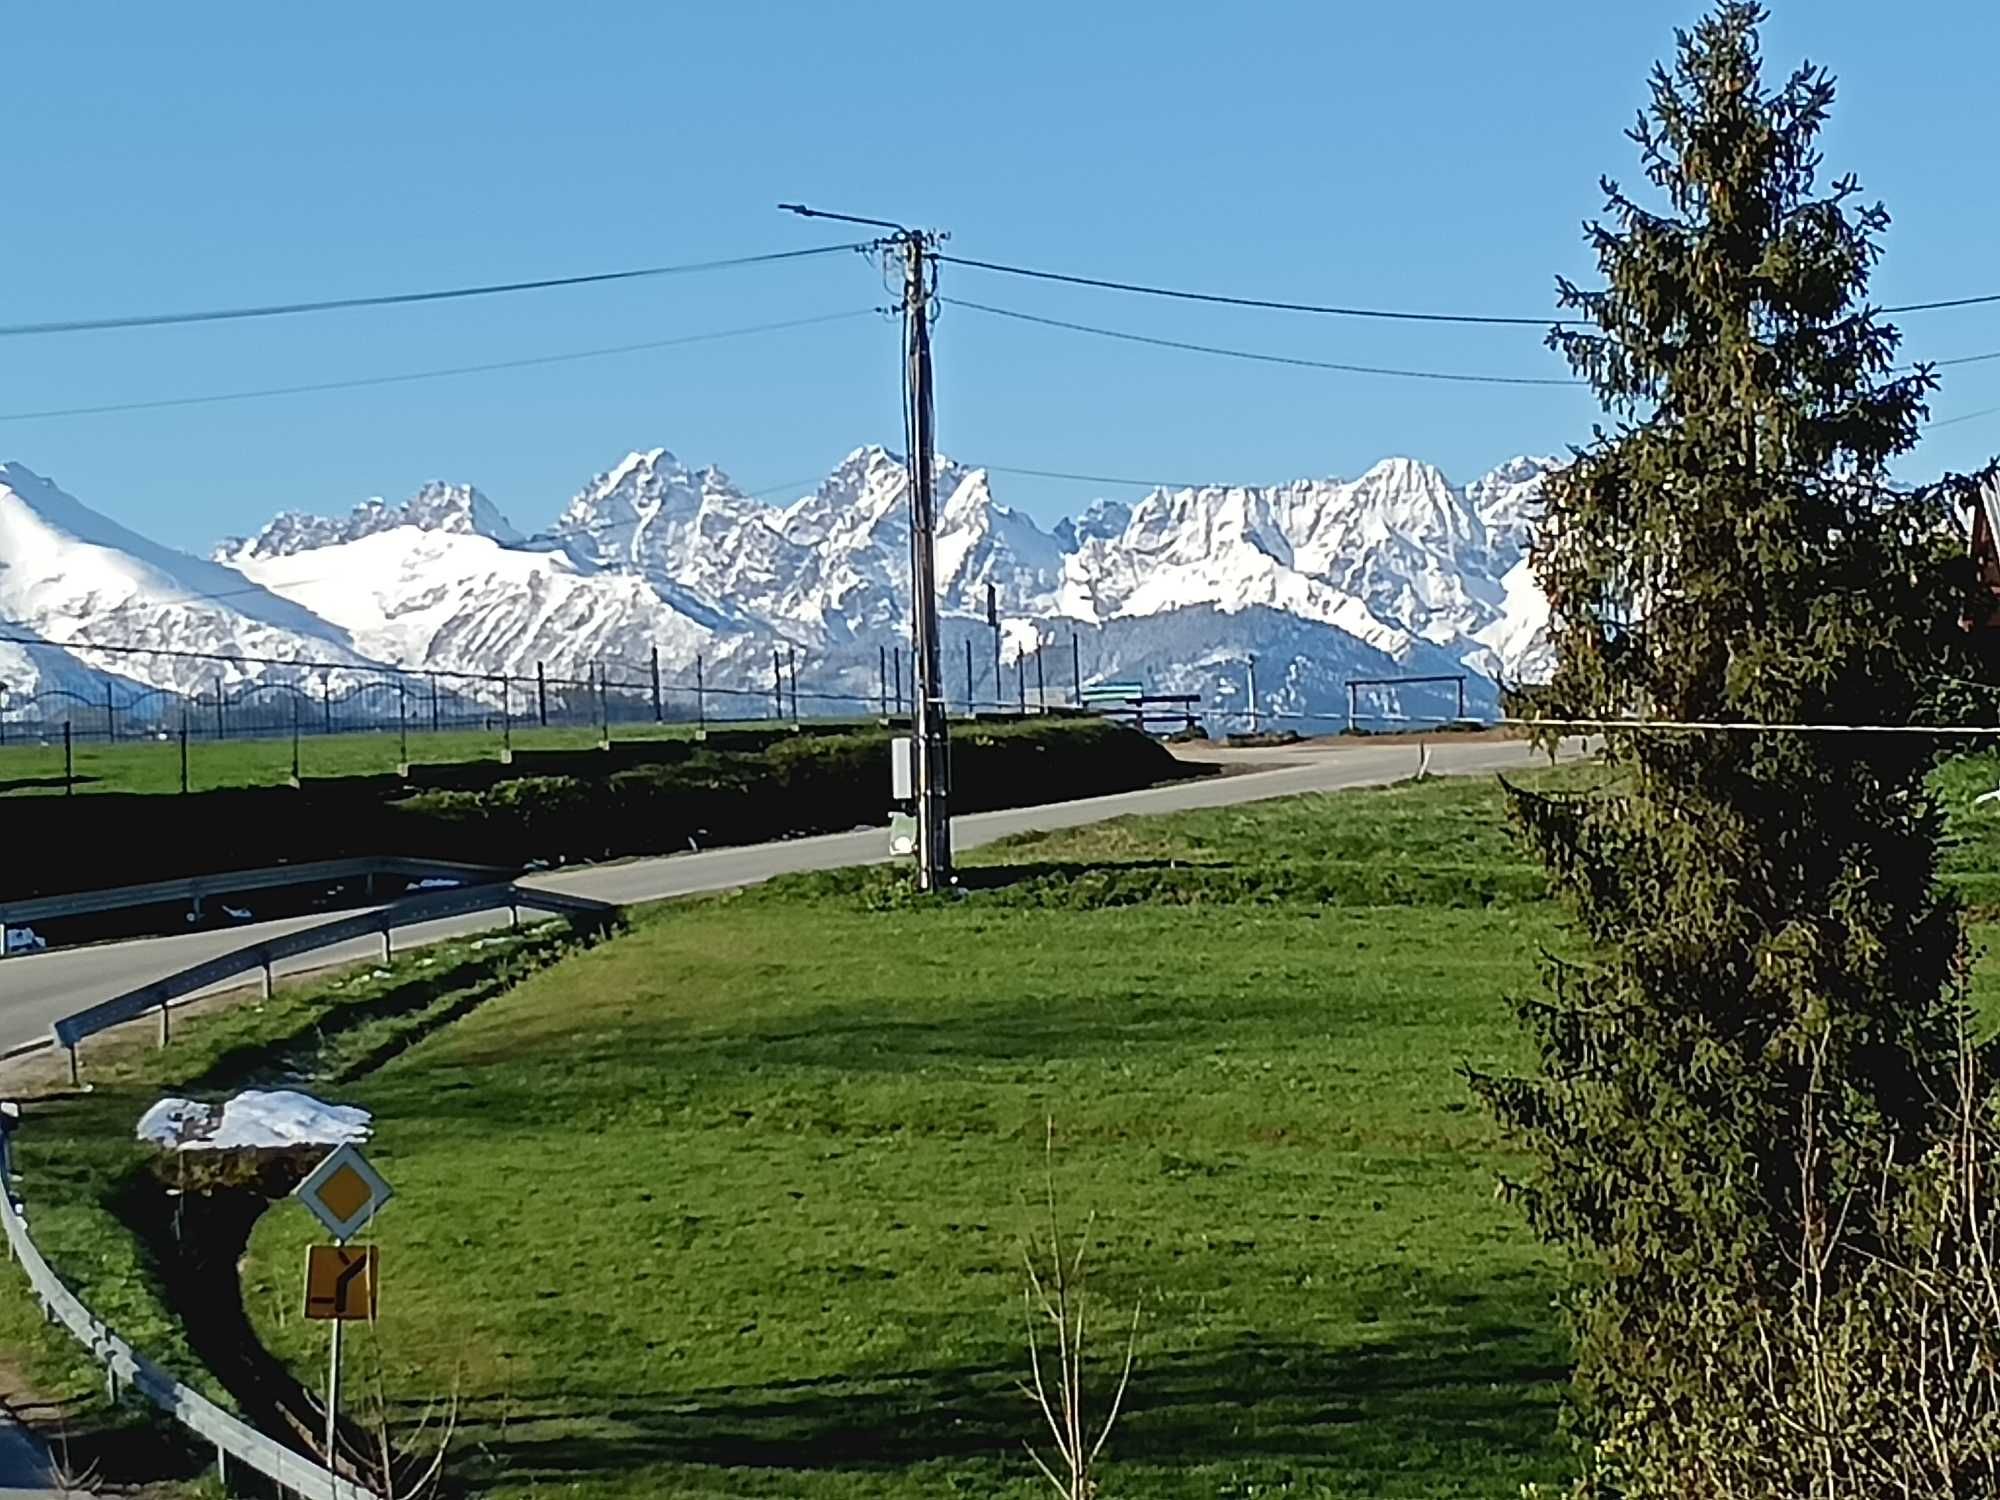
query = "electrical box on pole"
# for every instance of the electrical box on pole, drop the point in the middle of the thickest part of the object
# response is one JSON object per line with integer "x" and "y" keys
{"x": 932, "y": 755}
{"x": 933, "y": 816}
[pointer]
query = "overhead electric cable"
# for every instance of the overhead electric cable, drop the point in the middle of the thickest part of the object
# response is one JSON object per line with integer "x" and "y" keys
{"x": 364, "y": 381}
{"x": 1458, "y": 376}
{"x": 397, "y": 299}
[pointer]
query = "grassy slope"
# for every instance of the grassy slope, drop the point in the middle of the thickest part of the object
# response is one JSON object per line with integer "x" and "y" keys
{"x": 777, "y": 1150}
{"x": 734, "y": 1205}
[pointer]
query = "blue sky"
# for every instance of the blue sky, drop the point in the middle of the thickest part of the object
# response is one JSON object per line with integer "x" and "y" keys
{"x": 1437, "y": 156}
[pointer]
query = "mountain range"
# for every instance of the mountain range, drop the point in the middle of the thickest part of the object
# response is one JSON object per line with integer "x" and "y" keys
{"x": 1395, "y": 573}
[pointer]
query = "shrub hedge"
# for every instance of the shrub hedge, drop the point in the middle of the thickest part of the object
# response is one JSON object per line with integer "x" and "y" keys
{"x": 577, "y": 805}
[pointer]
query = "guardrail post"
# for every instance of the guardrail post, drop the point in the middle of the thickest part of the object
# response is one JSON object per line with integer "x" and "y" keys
{"x": 267, "y": 978}
{"x": 75, "y": 1081}
{"x": 164, "y": 1029}
{"x": 386, "y": 949}
{"x": 222, "y": 1466}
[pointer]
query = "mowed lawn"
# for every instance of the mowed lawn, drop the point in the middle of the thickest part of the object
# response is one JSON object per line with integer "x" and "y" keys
{"x": 154, "y": 764}
{"x": 736, "y": 1204}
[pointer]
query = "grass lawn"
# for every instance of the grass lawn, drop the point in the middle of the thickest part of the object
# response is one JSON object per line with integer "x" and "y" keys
{"x": 154, "y": 765}
{"x": 734, "y": 1204}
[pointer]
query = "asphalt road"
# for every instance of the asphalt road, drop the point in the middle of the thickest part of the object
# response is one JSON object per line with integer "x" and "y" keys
{"x": 36, "y": 989}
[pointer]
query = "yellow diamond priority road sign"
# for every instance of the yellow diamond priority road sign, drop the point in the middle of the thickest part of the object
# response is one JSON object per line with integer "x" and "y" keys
{"x": 344, "y": 1192}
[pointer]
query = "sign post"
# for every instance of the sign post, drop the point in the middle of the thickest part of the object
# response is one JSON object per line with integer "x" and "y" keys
{"x": 344, "y": 1193}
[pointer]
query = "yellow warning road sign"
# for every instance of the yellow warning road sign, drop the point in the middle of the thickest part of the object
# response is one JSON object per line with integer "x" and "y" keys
{"x": 343, "y": 1282}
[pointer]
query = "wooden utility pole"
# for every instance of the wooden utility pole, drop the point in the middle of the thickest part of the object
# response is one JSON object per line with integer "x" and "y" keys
{"x": 933, "y": 816}
{"x": 928, "y": 719}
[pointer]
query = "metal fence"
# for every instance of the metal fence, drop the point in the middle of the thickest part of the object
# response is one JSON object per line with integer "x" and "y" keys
{"x": 301, "y": 699}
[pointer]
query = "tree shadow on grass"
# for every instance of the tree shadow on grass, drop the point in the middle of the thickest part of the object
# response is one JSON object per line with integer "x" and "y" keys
{"x": 1477, "y": 1399}
{"x": 44, "y": 783}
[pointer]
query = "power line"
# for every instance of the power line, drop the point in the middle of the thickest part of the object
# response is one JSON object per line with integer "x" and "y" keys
{"x": 1400, "y": 315}
{"x": 397, "y": 299}
{"x": 1181, "y": 294}
{"x": 1457, "y": 376}
{"x": 1153, "y": 484}
{"x": 365, "y": 381}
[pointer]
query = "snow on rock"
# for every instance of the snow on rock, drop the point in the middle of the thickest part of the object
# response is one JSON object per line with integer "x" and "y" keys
{"x": 268, "y": 1120}
{"x": 459, "y": 509}
{"x": 1399, "y": 567}
{"x": 75, "y": 576}
{"x": 464, "y": 602}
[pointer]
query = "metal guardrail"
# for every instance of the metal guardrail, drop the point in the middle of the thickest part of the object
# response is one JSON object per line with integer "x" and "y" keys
{"x": 127, "y": 1369}
{"x": 159, "y": 995}
{"x": 196, "y": 888}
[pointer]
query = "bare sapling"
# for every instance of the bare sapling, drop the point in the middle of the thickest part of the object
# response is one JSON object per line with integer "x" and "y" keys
{"x": 1057, "y": 1305}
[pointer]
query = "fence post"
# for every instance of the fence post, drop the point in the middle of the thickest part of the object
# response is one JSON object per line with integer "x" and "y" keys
{"x": 402, "y": 728}
{"x": 326, "y": 701}
{"x": 506, "y": 720}
{"x": 603, "y": 710}
{"x": 659, "y": 709}
{"x": 897, "y": 657}
{"x": 542, "y": 695}
{"x": 218, "y": 710}
{"x": 1461, "y": 698}
{"x": 1041, "y": 688}
{"x": 69, "y": 762}
{"x": 1075, "y": 673}
{"x": 184, "y": 749}
{"x": 882, "y": 677}
{"x": 434, "y": 703}
{"x": 777, "y": 687}
{"x": 1020, "y": 683}
{"x": 295, "y": 739}
{"x": 110, "y": 717}
{"x": 971, "y": 708}
{"x": 700, "y": 702}
{"x": 1350, "y": 708}
{"x": 792, "y": 667}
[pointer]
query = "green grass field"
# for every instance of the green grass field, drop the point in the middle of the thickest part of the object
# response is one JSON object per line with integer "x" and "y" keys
{"x": 734, "y": 1204}
{"x": 155, "y": 765}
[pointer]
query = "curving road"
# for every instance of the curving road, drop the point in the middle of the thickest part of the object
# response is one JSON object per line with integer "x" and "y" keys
{"x": 36, "y": 989}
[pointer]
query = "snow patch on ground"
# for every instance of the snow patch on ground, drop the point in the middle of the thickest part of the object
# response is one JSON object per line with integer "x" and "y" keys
{"x": 257, "y": 1119}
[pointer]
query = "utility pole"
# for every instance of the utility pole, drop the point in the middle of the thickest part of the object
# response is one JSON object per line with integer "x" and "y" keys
{"x": 993, "y": 620}
{"x": 928, "y": 722}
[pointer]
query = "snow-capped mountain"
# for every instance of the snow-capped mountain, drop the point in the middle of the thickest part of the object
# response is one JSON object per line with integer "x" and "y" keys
{"x": 455, "y": 509}
{"x": 1393, "y": 573}
{"x": 72, "y": 576}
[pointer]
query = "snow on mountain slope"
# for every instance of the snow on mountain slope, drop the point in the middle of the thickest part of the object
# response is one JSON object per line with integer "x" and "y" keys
{"x": 1394, "y": 572}
{"x": 76, "y": 577}
{"x": 457, "y": 601}
{"x": 437, "y": 506}
{"x": 707, "y": 548}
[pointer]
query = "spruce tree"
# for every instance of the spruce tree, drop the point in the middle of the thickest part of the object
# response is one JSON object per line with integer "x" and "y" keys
{"x": 1769, "y": 1013}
